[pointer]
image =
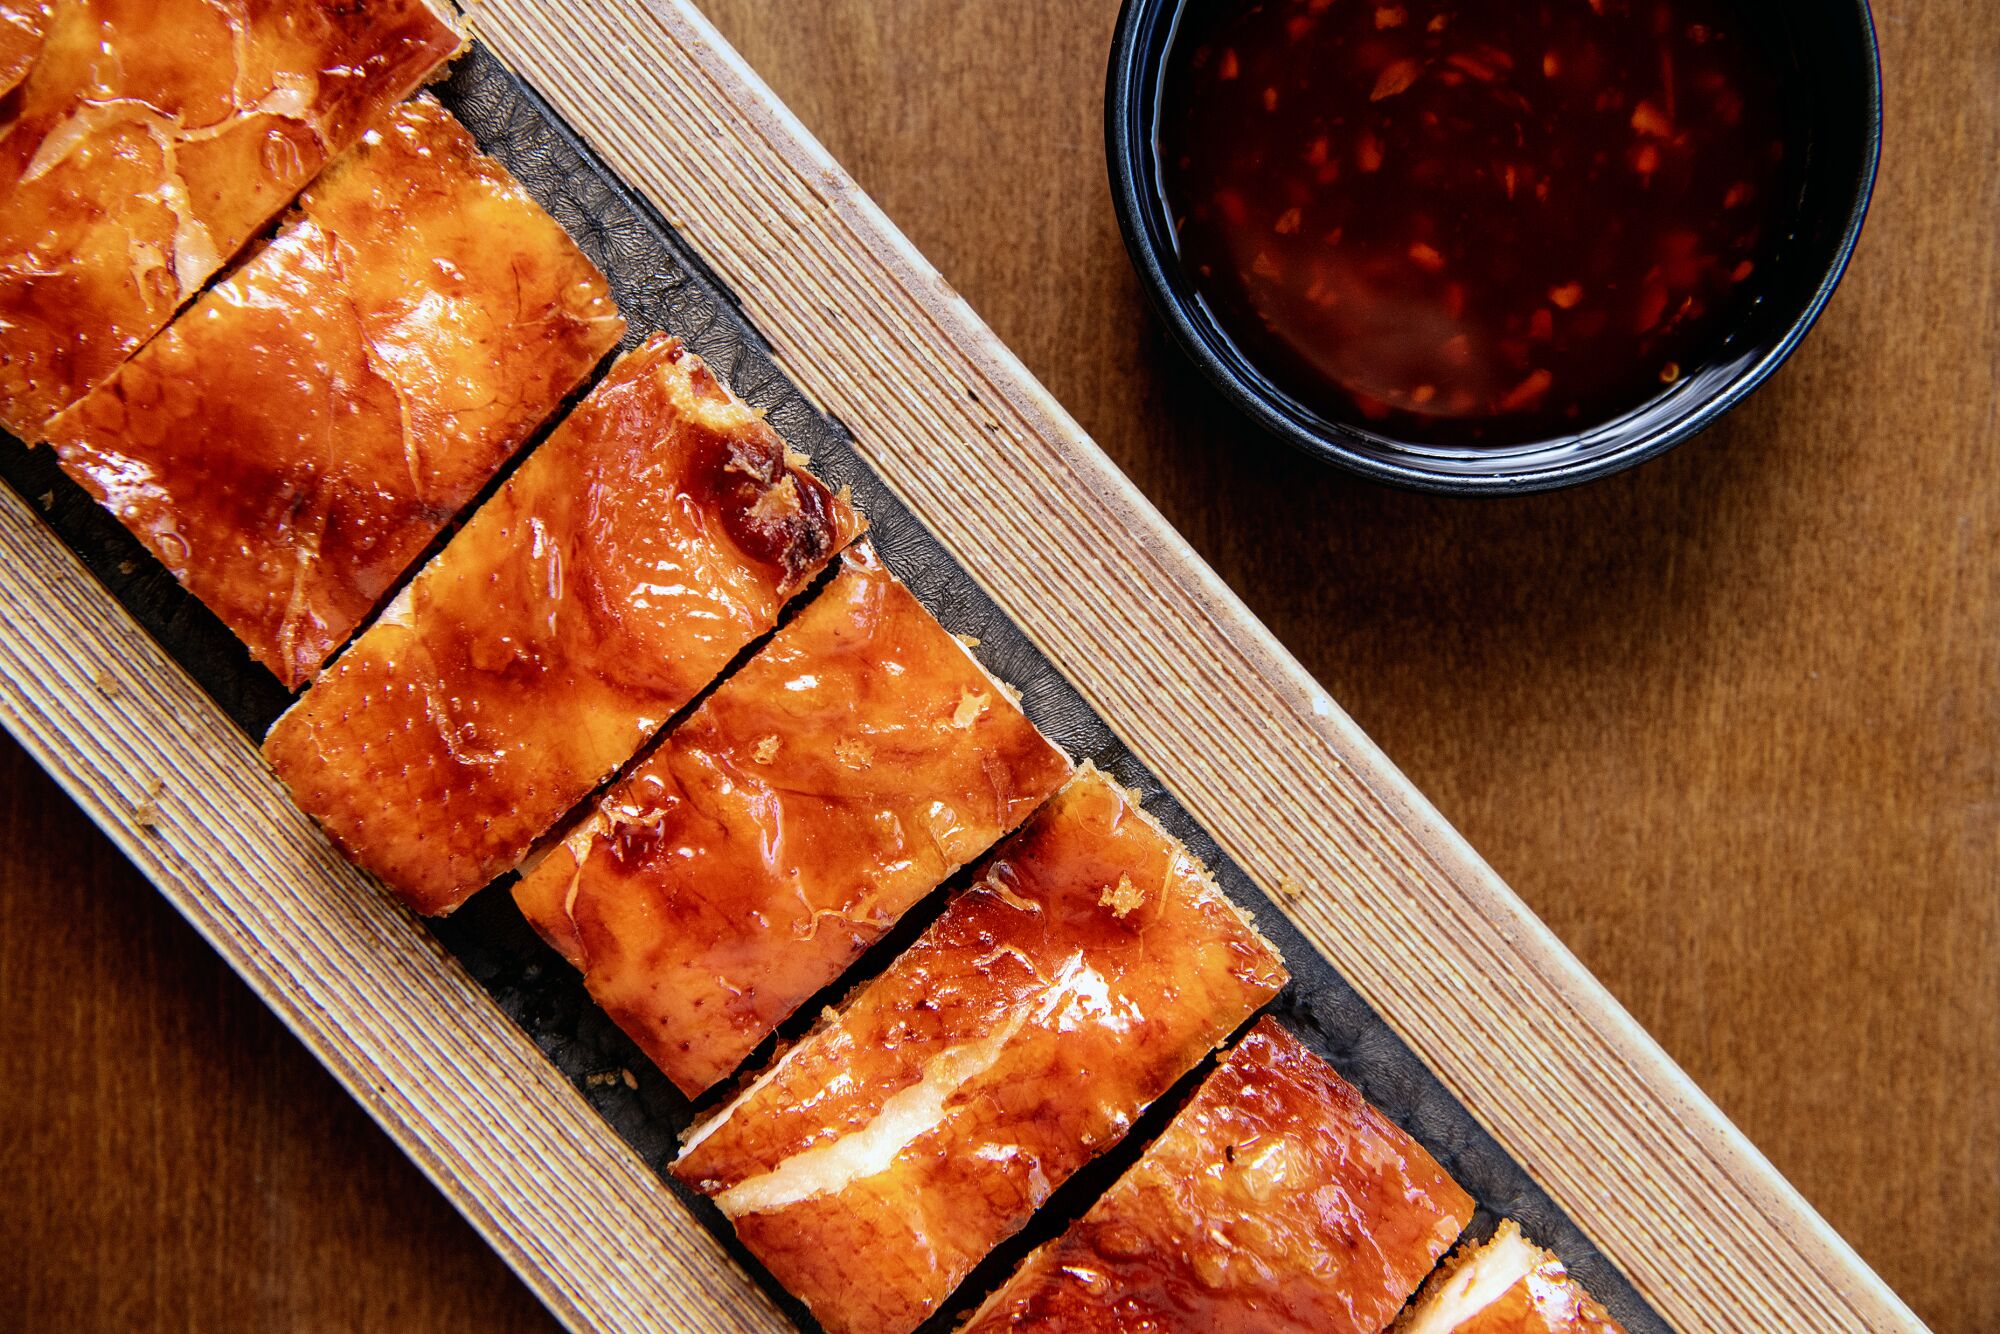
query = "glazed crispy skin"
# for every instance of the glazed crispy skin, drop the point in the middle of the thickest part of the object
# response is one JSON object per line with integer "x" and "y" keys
{"x": 1278, "y": 1199}
{"x": 656, "y": 532}
{"x": 291, "y": 443}
{"x": 1091, "y": 966}
{"x": 1509, "y": 1285}
{"x": 149, "y": 141}
{"x": 860, "y": 758}
{"x": 24, "y": 25}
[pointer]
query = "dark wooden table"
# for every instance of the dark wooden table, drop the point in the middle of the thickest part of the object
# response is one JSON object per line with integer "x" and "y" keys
{"x": 1731, "y": 723}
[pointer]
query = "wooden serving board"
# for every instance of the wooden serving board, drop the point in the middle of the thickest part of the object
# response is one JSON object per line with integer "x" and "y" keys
{"x": 1564, "y": 1089}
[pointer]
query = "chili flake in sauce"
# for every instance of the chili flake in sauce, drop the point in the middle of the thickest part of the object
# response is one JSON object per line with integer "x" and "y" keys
{"x": 1474, "y": 223}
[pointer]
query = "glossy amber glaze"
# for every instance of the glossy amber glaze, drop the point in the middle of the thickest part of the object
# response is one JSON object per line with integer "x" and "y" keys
{"x": 656, "y": 532}
{"x": 291, "y": 443}
{"x": 24, "y": 24}
{"x": 1509, "y": 1285}
{"x": 149, "y": 141}
{"x": 860, "y": 758}
{"x": 1091, "y": 966}
{"x": 1277, "y": 1200}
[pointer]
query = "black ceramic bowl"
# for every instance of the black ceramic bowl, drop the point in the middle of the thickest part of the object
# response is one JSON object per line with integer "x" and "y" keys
{"x": 1833, "y": 86}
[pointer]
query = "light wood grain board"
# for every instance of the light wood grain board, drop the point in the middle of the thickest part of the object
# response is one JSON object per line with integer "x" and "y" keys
{"x": 185, "y": 795}
{"x": 1027, "y": 504}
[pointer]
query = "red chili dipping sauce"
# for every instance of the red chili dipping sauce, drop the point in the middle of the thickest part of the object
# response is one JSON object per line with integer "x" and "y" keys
{"x": 1480, "y": 222}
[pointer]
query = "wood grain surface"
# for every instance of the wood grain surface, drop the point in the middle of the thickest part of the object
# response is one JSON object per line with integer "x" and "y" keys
{"x": 1730, "y": 723}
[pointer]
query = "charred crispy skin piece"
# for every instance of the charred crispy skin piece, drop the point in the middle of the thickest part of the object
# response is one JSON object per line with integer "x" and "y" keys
{"x": 290, "y": 444}
{"x": 149, "y": 141}
{"x": 877, "y": 1161}
{"x": 657, "y": 531}
{"x": 1507, "y": 1286}
{"x": 1278, "y": 1199}
{"x": 24, "y": 24}
{"x": 860, "y": 758}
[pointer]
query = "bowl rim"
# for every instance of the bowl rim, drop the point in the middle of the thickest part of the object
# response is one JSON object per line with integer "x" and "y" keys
{"x": 1126, "y": 76}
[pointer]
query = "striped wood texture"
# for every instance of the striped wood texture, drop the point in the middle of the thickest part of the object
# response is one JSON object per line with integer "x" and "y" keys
{"x": 1201, "y": 692}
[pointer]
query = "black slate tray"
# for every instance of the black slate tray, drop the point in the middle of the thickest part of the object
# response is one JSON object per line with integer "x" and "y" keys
{"x": 662, "y": 284}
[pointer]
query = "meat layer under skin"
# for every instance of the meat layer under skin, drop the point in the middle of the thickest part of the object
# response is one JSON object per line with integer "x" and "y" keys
{"x": 1509, "y": 1285}
{"x": 149, "y": 141}
{"x": 657, "y": 531}
{"x": 1091, "y": 965}
{"x": 1277, "y": 1199}
{"x": 838, "y": 777}
{"x": 301, "y": 433}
